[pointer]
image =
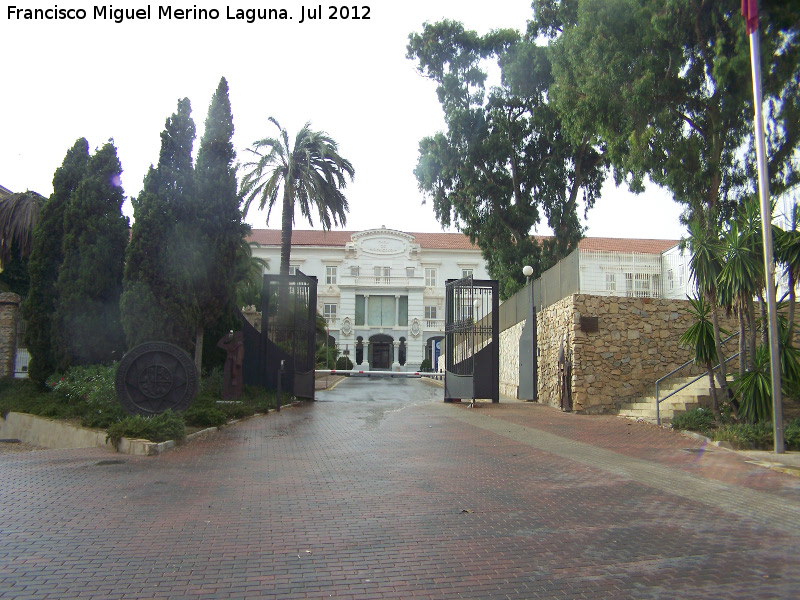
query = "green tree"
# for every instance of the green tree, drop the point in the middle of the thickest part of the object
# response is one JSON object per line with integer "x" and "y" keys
{"x": 666, "y": 86}
{"x": 157, "y": 302}
{"x": 504, "y": 161}
{"x": 45, "y": 261}
{"x": 87, "y": 328}
{"x": 214, "y": 224}
{"x": 311, "y": 174}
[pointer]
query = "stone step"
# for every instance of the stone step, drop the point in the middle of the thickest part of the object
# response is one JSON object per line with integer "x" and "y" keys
{"x": 682, "y": 405}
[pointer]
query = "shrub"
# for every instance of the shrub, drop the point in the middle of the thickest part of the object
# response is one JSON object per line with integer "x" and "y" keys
{"x": 698, "y": 419}
{"x": 211, "y": 384}
{"x": 158, "y": 428}
{"x": 756, "y": 436}
{"x": 89, "y": 391}
{"x": 204, "y": 415}
{"x": 425, "y": 365}
{"x": 343, "y": 363}
{"x": 791, "y": 435}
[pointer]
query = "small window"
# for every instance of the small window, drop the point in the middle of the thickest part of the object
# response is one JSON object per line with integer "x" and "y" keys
{"x": 330, "y": 275}
{"x": 353, "y": 271}
{"x": 430, "y": 277}
{"x": 611, "y": 282}
{"x": 409, "y": 271}
{"x": 430, "y": 312}
{"x": 466, "y": 273}
{"x": 293, "y": 270}
{"x": 329, "y": 312}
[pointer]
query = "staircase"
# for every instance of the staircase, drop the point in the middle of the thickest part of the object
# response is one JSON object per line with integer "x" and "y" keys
{"x": 695, "y": 395}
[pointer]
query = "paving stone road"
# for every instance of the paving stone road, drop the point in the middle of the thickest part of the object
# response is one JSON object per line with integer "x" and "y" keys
{"x": 380, "y": 490}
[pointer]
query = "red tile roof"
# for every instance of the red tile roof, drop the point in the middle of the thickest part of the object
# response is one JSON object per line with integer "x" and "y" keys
{"x": 451, "y": 241}
{"x": 305, "y": 237}
{"x": 627, "y": 245}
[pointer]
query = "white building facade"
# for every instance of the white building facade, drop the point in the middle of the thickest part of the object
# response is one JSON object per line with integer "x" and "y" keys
{"x": 381, "y": 291}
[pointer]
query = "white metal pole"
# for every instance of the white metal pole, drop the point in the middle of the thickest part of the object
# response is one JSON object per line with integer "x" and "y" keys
{"x": 766, "y": 228}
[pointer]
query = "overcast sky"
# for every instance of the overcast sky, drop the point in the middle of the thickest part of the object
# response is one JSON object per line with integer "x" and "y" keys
{"x": 94, "y": 78}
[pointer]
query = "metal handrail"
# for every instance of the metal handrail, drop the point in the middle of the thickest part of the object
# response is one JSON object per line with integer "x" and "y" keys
{"x": 698, "y": 378}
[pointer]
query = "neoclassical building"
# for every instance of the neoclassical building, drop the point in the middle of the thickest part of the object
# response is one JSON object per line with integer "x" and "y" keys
{"x": 381, "y": 291}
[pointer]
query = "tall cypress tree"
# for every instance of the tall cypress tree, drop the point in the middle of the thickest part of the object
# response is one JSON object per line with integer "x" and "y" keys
{"x": 215, "y": 221}
{"x": 157, "y": 304}
{"x": 45, "y": 260}
{"x": 87, "y": 320}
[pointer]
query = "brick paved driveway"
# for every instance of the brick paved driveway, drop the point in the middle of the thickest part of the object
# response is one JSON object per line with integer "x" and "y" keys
{"x": 380, "y": 490}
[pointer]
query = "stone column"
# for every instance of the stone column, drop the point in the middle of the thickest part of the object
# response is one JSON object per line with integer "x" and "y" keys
{"x": 365, "y": 364}
{"x": 9, "y": 317}
{"x": 396, "y": 361}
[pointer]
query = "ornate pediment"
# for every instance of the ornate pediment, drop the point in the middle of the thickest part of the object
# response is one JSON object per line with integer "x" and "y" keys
{"x": 383, "y": 242}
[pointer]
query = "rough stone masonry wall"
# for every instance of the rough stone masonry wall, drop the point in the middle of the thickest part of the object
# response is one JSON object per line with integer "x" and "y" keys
{"x": 9, "y": 316}
{"x": 636, "y": 344}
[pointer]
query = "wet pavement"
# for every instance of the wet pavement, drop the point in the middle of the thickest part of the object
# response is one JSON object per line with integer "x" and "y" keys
{"x": 380, "y": 490}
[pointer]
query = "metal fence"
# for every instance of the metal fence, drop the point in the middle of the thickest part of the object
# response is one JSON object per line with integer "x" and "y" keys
{"x": 602, "y": 273}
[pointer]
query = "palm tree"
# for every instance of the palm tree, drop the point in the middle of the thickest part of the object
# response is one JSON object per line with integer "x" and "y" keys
{"x": 19, "y": 214}
{"x": 248, "y": 275}
{"x": 311, "y": 175}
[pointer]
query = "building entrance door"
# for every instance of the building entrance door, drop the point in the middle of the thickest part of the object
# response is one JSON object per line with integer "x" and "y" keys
{"x": 380, "y": 355}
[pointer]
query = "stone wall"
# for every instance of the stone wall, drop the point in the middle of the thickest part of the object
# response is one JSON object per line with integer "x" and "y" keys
{"x": 9, "y": 317}
{"x": 636, "y": 344}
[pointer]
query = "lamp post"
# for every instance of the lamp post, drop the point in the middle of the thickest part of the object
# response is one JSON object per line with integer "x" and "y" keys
{"x": 475, "y": 305}
{"x": 527, "y": 270}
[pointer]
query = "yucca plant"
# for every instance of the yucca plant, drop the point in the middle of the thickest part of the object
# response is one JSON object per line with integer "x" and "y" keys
{"x": 700, "y": 338}
{"x": 754, "y": 389}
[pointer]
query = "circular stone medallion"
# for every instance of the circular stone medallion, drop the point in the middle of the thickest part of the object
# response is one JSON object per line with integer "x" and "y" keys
{"x": 155, "y": 377}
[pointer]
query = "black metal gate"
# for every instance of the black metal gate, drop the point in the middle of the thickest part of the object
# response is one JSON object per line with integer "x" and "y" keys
{"x": 472, "y": 346}
{"x": 288, "y": 334}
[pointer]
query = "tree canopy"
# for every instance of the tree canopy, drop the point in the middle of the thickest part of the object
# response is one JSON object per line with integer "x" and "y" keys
{"x": 156, "y": 303}
{"x": 666, "y": 87}
{"x": 215, "y": 223}
{"x": 87, "y": 328}
{"x": 46, "y": 257}
{"x": 504, "y": 161}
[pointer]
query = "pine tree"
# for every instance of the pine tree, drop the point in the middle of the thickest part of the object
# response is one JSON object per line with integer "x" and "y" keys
{"x": 87, "y": 320}
{"x": 157, "y": 303}
{"x": 216, "y": 221}
{"x": 45, "y": 260}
